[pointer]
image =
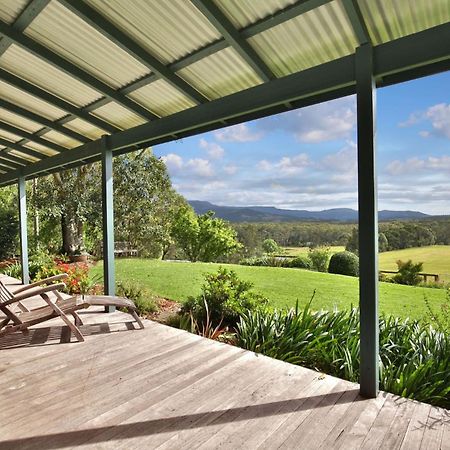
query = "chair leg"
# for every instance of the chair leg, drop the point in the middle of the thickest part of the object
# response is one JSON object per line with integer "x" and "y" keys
{"x": 136, "y": 318}
{"x": 4, "y": 322}
{"x": 76, "y": 331}
{"x": 77, "y": 319}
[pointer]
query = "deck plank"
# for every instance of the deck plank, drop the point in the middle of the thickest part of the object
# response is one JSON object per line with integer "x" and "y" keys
{"x": 165, "y": 388}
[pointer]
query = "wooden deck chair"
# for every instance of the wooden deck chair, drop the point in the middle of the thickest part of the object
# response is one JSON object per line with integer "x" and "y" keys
{"x": 62, "y": 307}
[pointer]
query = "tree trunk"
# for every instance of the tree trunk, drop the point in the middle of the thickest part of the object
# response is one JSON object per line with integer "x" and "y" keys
{"x": 72, "y": 235}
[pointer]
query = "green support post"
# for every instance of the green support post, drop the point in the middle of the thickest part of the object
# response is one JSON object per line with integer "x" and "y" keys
{"x": 23, "y": 232}
{"x": 368, "y": 221}
{"x": 108, "y": 221}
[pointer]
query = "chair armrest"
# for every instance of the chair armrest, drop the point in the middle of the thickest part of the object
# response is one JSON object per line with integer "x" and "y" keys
{"x": 34, "y": 292}
{"x": 61, "y": 276}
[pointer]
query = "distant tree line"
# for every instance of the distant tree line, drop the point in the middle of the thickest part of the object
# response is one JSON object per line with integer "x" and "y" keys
{"x": 393, "y": 235}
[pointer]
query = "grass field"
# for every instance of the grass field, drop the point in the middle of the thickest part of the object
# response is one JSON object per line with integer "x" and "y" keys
{"x": 436, "y": 259}
{"x": 178, "y": 280}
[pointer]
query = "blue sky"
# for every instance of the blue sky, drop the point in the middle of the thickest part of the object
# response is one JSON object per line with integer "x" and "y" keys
{"x": 306, "y": 159}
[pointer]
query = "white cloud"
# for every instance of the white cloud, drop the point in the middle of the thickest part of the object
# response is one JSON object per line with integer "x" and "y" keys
{"x": 214, "y": 150}
{"x": 200, "y": 167}
{"x": 437, "y": 115}
{"x": 230, "y": 169}
{"x": 238, "y": 133}
{"x": 173, "y": 161}
{"x": 415, "y": 165}
{"x": 196, "y": 166}
{"x": 264, "y": 165}
{"x": 329, "y": 121}
{"x": 287, "y": 165}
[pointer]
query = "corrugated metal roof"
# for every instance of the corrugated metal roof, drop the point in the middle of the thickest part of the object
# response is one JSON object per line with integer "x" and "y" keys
{"x": 161, "y": 98}
{"x": 40, "y": 148}
{"x": 33, "y": 69}
{"x": 245, "y": 12}
{"x": 167, "y": 29}
{"x": 118, "y": 115}
{"x": 10, "y": 9}
{"x": 313, "y": 38}
{"x": 27, "y": 101}
{"x": 9, "y": 136}
{"x": 62, "y": 31}
{"x": 392, "y": 19}
{"x": 170, "y": 30}
{"x": 61, "y": 139}
{"x": 220, "y": 74}
{"x": 19, "y": 121}
{"x": 85, "y": 128}
{"x": 23, "y": 156}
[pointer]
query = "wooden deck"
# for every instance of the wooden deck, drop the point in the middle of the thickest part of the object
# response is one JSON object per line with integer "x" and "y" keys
{"x": 163, "y": 388}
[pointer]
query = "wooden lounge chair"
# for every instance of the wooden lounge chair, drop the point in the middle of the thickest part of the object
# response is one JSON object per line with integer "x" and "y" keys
{"x": 18, "y": 317}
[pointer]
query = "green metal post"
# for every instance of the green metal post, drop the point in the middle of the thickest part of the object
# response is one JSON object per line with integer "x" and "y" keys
{"x": 23, "y": 232}
{"x": 368, "y": 221}
{"x": 108, "y": 221}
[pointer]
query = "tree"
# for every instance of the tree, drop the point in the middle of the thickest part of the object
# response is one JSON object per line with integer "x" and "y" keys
{"x": 144, "y": 204}
{"x": 71, "y": 198}
{"x": 270, "y": 246}
{"x": 319, "y": 258}
{"x": 203, "y": 237}
{"x": 353, "y": 244}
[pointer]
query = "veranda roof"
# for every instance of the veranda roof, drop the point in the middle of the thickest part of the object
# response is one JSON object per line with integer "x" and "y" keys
{"x": 143, "y": 72}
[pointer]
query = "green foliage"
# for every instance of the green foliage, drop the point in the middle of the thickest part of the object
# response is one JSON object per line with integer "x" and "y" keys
{"x": 353, "y": 243}
{"x": 9, "y": 229}
{"x": 319, "y": 258}
{"x": 223, "y": 298}
{"x": 415, "y": 359}
{"x": 144, "y": 203}
{"x": 300, "y": 262}
{"x": 408, "y": 273}
{"x": 204, "y": 237}
{"x": 383, "y": 243}
{"x": 145, "y": 304}
{"x": 439, "y": 317}
{"x": 344, "y": 263}
{"x": 269, "y": 246}
{"x": 265, "y": 261}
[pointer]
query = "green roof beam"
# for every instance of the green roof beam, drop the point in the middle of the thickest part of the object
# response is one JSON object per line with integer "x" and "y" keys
{"x": 218, "y": 19}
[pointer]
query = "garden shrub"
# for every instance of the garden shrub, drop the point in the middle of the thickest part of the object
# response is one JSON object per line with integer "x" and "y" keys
{"x": 9, "y": 231}
{"x": 300, "y": 262}
{"x": 265, "y": 261}
{"x": 414, "y": 357}
{"x": 319, "y": 258}
{"x": 226, "y": 297}
{"x": 145, "y": 303}
{"x": 269, "y": 246}
{"x": 408, "y": 273}
{"x": 344, "y": 263}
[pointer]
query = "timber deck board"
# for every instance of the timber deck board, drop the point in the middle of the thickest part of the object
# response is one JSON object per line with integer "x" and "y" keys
{"x": 125, "y": 388}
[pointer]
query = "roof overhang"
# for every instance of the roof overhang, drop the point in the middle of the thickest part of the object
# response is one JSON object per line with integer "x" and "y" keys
{"x": 415, "y": 55}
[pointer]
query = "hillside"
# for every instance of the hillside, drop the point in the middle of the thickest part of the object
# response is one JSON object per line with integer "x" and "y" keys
{"x": 272, "y": 214}
{"x": 177, "y": 280}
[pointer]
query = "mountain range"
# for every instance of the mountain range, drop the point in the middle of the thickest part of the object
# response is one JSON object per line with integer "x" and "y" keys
{"x": 272, "y": 214}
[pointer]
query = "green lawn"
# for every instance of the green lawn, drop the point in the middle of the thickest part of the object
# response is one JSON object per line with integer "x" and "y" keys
{"x": 436, "y": 259}
{"x": 178, "y": 280}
